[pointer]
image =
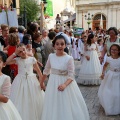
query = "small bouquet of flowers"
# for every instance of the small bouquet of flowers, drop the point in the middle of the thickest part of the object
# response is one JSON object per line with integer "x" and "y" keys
{"x": 38, "y": 49}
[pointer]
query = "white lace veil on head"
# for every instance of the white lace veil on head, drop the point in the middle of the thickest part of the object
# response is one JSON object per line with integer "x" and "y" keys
{"x": 64, "y": 35}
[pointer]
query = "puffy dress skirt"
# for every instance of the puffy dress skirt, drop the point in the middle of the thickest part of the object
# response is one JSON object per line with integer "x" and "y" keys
{"x": 109, "y": 93}
{"x": 27, "y": 96}
{"x": 8, "y": 111}
{"x": 90, "y": 71}
{"x": 66, "y": 105}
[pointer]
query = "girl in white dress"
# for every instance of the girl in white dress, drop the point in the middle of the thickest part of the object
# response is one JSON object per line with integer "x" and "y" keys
{"x": 63, "y": 99}
{"x": 90, "y": 69}
{"x": 74, "y": 49}
{"x": 26, "y": 93}
{"x": 100, "y": 46}
{"x": 109, "y": 91}
{"x": 7, "y": 109}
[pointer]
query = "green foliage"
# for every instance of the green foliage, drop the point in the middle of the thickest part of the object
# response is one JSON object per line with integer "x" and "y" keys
{"x": 88, "y": 22}
{"x": 32, "y": 9}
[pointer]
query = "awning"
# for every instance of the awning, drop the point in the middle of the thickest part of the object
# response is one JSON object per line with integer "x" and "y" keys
{"x": 71, "y": 19}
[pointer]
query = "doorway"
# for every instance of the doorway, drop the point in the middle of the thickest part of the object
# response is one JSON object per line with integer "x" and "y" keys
{"x": 96, "y": 21}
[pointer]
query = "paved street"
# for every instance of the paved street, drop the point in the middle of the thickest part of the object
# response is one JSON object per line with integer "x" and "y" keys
{"x": 90, "y": 95}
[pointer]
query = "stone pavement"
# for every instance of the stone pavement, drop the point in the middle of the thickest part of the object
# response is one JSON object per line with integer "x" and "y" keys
{"x": 90, "y": 95}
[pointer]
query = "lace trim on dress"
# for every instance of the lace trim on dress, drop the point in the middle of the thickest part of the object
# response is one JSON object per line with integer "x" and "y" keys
{"x": 71, "y": 69}
{"x": 90, "y": 82}
{"x": 6, "y": 87}
{"x": 115, "y": 69}
{"x": 89, "y": 79}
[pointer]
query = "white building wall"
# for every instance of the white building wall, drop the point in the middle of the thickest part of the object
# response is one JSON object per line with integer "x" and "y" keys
{"x": 58, "y": 6}
{"x": 110, "y": 8}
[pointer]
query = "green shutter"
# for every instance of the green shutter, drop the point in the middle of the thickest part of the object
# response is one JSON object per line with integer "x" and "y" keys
{"x": 49, "y": 9}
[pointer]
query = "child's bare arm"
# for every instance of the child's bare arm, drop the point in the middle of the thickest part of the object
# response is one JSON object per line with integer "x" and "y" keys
{"x": 36, "y": 67}
{"x": 42, "y": 82}
{"x": 104, "y": 69}
{"x": 103, "y": 53}
{"x": 64, "y": 85}
{"x": 70, "y": 76}
{"x": 3, "y": 98}
{"x": 10, "y": 59}
{"x": 6, "y": 48}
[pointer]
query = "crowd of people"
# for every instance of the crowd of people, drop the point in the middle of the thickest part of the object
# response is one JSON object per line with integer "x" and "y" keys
{"x": 29, "y": 56}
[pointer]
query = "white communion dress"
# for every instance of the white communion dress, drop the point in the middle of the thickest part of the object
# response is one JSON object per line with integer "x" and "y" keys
{"x": 109, "y": 91}
{"x": 26, "y": 93}
{"x": 62, "y": 105}
{"x": 7, "y": 110}
{"x": 90, "y": 70}
{"x": 74, "y": 49}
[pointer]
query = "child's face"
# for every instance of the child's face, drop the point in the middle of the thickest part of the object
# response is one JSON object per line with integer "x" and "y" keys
{"x": 60, "y": 45}
{"x": 93, "y": 40}
{"x": 101, "y": 42}
{"x": 23, "y": 52}
{"x": 114, "y": 51}
{"x": 39, "y": 39}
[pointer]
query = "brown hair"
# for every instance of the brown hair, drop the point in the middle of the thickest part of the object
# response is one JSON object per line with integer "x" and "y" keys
{"x": 118, "y": 47}
{"x": 13, "y": 39}
{"x": 12, "y": 29}
{"x": 20, "y": 45}
{"x": 3, "y": 26}
{"x": 36, "y": 36}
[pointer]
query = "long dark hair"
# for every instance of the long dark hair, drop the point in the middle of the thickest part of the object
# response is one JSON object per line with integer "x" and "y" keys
{"x": 26, "y": 38}
{"x": 3, "y": 56}
{"x": 118, "y": 47}
{"x": 90, "y": 36}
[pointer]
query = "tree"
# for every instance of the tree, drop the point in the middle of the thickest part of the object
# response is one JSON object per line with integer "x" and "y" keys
{"x": 32, "y": 9}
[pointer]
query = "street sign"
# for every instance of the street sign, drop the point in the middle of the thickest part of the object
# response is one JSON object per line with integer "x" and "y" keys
{"x": 77, "y": 31}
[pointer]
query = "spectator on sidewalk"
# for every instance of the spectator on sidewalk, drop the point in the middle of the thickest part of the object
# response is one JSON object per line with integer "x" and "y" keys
{"x": 21, "y": 31}
{"x": 48, "y": 46}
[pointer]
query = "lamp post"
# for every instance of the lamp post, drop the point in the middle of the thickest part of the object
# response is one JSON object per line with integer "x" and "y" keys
{"x": 42, "y": 18}
{"x": 24, "y": 17}
{"x": 88, "y": 18}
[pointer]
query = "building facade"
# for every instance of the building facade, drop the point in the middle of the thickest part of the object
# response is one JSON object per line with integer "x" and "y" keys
{"x": 59, "y": 5}
{"x": 8, "y": 3}
{"x": 93, "y": 13}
